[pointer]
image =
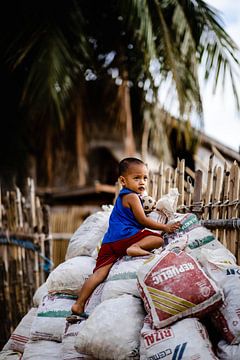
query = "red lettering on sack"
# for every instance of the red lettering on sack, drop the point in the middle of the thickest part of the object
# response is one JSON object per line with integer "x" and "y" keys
{"x": 157, "y": 336}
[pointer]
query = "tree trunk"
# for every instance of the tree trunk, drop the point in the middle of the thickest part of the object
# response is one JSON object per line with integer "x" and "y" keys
{"x": 126, "y": 114}
{"x": 49, "y": 156}
{"x": 81, "y": 147}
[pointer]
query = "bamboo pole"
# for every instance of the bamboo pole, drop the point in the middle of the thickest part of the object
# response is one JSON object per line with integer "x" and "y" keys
{"x": 181, "y": 183}
{"x": 197, "y": 195}
{"x": 1, "y": 221}
{"x": 150, "y": 183}
{"x": 209, "y": 188}
{"x": 216, "y": 195}
{"x": 167, "y": 180}
{"x": 160, "y": 180}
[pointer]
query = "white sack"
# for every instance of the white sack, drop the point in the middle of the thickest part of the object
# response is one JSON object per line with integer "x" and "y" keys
{"x": 228, "y": 352}
{"x": 122, "y": 278}
{"x": 20, "y": 335}
{"x": 42, "y": 350}
{"x": 112, "y": 332}
{"x": 39, "y": 294}
{"x": 159, "y": 217}
{"x": 10, "y": 355}
{"x": 69, "y": 276}
{"x": 89, "y": 233}
{"x": 198, "y": 236}
{"x": 221, "y": 266}
{"x": 173, "y": 286}
{"x": 227, "y": 318}
{"x": 50, "y": 322}
{"x": 68, "y": 350}
{"x": 186, "y": 339}
{"x": 72, "y": 330}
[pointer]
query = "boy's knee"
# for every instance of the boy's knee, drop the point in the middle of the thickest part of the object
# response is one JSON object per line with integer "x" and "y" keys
{"x": 160, "y": 242}
{"x": 129, "y": 250}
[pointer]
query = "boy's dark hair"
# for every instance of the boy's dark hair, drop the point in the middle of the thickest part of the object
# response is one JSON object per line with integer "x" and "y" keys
{"x": 125, "y": 163}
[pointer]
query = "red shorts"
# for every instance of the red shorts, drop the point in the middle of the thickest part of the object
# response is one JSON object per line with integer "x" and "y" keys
{"x": 110, "y": 252}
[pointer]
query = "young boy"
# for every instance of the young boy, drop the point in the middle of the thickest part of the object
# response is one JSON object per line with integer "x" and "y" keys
{"x": 126, "y": 234}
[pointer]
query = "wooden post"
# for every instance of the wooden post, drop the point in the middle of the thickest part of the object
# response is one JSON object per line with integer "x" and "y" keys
{"x": 150, "y": 183}
{"x": 197, "y": 195}
{"x": 19, "y": 209}
{"x": 209, "y": 188}
{"x": 160, "y": 181}
{"x": 1, "y": 222}
{"x": 167, "y": 180}
{"x": 181, "y": 183}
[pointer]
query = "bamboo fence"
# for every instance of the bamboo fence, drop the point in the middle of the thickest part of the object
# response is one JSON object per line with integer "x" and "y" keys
{"x": 216, "y": 203}
{"x": 25, "y": 254}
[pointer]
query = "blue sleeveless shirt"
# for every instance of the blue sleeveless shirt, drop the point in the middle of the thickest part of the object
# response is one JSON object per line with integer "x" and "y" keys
{"x": 122, "y": 223}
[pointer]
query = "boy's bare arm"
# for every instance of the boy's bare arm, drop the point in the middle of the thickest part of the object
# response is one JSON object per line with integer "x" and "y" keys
{"x": 133, "y": 202}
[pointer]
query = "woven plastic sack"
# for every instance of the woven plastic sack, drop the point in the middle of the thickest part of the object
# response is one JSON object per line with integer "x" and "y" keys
{"x": 42, "y": 350}
{"x": 21, "y": 334}
{"x": 197, "y": 236}
{"x": 69, "y": 276}
{"x": 219, "y": 264}
{"x": 159, "y": 217}
{"x": 39, "y": 294}
{"x": 227, "y": 318}
{"x": 173, "y": 286}
{"x": 122, "y": 278}
{"x": 10, "y": 355}
{"x": 71, "y": 330}
{"x": 228, "y": 352}
{"x": 50, "y": 321}
{"x": 185, "y": 339}
{"x": 89, "y": 233}
{"x": 112, "y": 332}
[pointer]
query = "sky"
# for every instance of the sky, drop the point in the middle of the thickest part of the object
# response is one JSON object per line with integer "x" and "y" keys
{"x": 221, "y": 120}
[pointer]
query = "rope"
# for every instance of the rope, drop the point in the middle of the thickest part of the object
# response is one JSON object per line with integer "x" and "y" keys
{"x": 26, "y": 244}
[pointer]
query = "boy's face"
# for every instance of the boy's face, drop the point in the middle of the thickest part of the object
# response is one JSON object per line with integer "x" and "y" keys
{"x": 135, "y": 178}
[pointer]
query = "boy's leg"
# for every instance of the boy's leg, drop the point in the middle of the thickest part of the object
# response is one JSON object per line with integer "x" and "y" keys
{"x": 145, "y": 245}
{"x": 88, "y": 287}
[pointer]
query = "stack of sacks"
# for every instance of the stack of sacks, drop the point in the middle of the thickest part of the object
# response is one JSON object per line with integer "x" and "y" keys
{"x": 89, "y": 233}
{"x": 185, "y": 339}
{"x": 122, "y": 278}
{"x": 177, "y": 294}
{"x": 63, "y": 284}
{"x": 69, "y": 276}
{"x": 71, "y": 330}
{"x": 19, "y": 340}
{"x": 49, "y": 325}
{"x": 112, "y": 331}
{"x": 21, "y": 334}
{"x": 50, "y": 320}
{"x": 220, "y": 265}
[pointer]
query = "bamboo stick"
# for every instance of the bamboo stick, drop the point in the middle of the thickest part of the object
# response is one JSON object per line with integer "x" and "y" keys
{"x": 209, "y": 188}
{"x": 167, "y": 180}
{"x": 197, "y": 195}
{"x": 181, "y": 183}
{"x": 160, "y": 181}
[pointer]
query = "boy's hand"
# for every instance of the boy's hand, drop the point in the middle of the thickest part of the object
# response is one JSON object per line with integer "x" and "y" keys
{"x": 172, "y": 227}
